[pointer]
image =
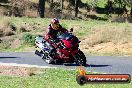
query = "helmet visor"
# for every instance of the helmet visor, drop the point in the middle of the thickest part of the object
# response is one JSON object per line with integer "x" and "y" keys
{"x": 55, "y": 26}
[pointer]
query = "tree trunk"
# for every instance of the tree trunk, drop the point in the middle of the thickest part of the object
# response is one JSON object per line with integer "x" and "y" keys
{"x": 51, "y": 1}
{"x": 4, "y": 1}
{"x": 76, "y": 7}
{"x": 131, "y": 12}
{"x": 41, "y": 8}
{"x": 62, "y": 4}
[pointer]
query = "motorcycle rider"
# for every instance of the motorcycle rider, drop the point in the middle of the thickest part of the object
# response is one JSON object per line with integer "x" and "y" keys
{"x": 54, "y": 29}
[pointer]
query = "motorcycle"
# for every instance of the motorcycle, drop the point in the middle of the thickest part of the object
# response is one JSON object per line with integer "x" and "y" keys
{"x": 65, "y": 51}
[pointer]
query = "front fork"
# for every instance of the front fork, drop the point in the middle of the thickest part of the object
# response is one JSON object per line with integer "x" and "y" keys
{"x": 74, "y": 52}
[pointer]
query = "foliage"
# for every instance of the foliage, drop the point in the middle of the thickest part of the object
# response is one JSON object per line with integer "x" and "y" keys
{"x": 28, "y": 38}
{"x": 101, "y": 3}
{"x": 123, "y": 2}
{"x": 95, "y": 3}
{"x": 128, "y": 2}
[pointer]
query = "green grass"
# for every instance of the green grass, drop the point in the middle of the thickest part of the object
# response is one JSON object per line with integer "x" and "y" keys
{"x": 100, "y": 3}
{"x": 22, "y": 48}
{"x": 52, "y": 78}
{"x": 82, "y": 27}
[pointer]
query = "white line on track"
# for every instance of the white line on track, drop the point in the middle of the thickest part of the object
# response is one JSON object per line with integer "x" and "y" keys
{"x": 24, "y": 65}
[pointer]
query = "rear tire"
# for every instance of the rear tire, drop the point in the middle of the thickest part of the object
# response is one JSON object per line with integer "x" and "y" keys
{"x": 80, "y": 59}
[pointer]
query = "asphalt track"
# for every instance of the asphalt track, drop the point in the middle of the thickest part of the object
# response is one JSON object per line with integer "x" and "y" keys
{"x": 102, "y": 64}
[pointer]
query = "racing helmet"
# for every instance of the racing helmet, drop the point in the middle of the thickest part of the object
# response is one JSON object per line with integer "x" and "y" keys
{"x": 55, "y": 23}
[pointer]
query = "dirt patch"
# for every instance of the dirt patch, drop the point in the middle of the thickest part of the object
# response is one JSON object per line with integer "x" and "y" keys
{"x": 12, "y": 71}
{"x": 110, "y": 40}
{"x": 109, "y": 47}
{"x": 17, "y": 71}
{"x": 16, "y": 43}
{"x": 6, "y": 31}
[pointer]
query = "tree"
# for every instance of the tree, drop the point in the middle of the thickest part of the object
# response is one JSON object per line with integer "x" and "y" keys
{"x": 4, "y": 1}
{"x": 41, "y": 8}
{"x": 119, "y": 2}
{"x": 62, "y": 4}
{"x": 51, "y": 1}
{"x": 131, "y": 12}
{"x": 129, "y": 3}
{"x": 76, "y": 7}
{"x": 109, "y": 7}
{"x": 125, "y": 3}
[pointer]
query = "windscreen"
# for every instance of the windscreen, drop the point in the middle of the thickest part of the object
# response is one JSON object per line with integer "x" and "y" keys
{"x": 66, "y": 36}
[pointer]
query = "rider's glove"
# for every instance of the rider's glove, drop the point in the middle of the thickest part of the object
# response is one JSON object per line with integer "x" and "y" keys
{"x": 46, "y": 37}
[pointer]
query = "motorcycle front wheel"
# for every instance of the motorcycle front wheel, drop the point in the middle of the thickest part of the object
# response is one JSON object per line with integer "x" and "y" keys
{"x": 80, "y": 58}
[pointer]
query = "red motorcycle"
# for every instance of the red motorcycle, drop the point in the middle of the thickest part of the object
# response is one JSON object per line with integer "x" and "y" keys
{"x": 65, "y": 51}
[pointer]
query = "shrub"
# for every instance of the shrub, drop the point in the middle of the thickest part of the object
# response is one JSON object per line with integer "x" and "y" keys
{"x": 6, "y": 32}
{"x": 28, "y": 38}
{"x": 4, "y": 45}
{"x": 12, "y": 26}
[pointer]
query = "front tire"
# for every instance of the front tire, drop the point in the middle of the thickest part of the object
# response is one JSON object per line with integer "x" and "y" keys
{"x": 80, "y": 58}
